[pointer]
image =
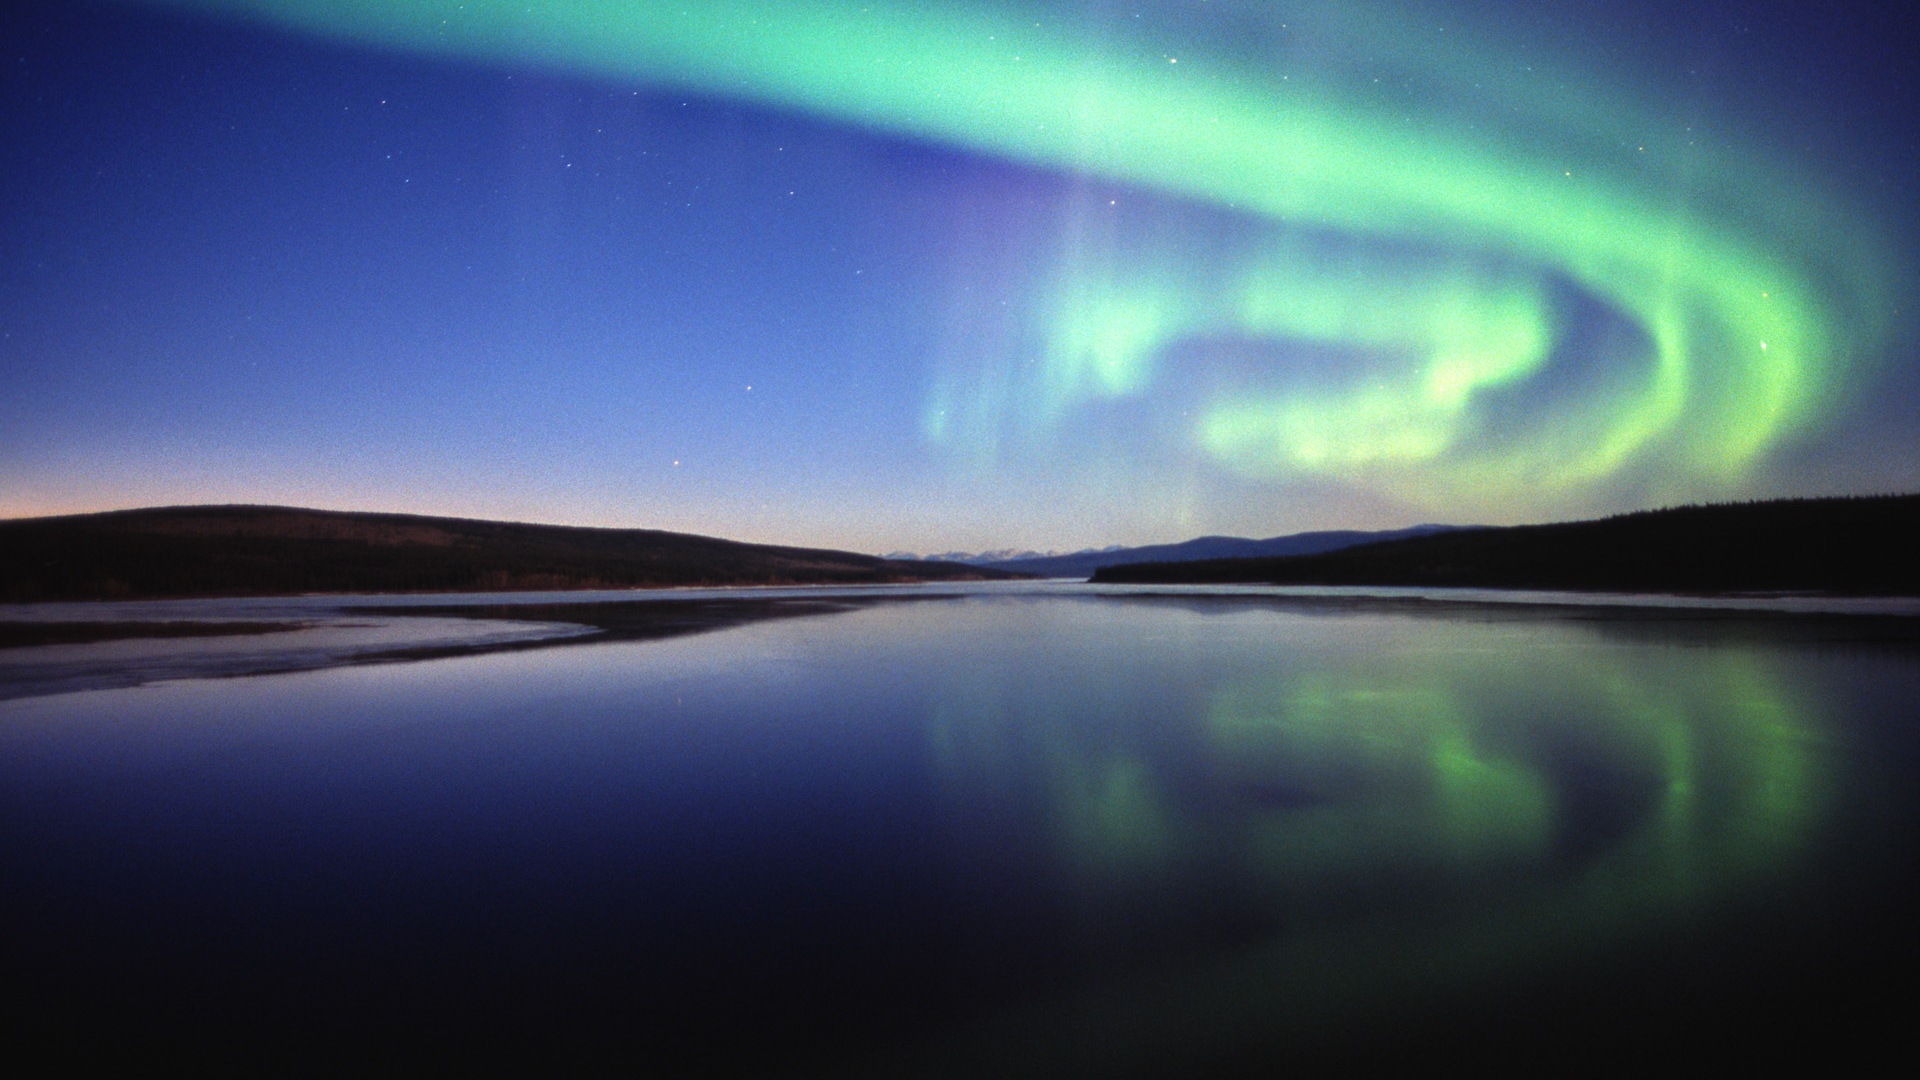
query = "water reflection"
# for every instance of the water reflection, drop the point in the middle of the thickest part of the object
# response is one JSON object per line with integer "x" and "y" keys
{"x": 1073, "y": 834}
{"x": 1389, "y": 813}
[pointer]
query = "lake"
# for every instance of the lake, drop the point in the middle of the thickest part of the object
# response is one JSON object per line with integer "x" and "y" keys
{"x": 1006, "y": 829}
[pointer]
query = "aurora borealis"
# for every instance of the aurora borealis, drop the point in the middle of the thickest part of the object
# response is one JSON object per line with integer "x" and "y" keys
{"x": 964, "y": 274}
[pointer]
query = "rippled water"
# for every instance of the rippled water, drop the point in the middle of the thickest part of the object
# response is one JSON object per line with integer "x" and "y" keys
{"x": 1051, "y": 830}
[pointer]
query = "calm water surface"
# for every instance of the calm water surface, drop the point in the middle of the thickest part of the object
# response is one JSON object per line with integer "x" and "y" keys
{"x": 1062, "y": 832}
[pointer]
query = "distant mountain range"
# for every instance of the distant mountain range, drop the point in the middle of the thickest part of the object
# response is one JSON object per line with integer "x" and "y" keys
{"x": 275, "y": 550}
{"x": 1081, "y": 564}
{"x": 1864, "y": 545}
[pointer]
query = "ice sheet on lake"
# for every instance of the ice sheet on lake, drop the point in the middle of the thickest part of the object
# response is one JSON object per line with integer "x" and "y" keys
{"x": 330, "y": 638}
{"x": 350, "y": 629}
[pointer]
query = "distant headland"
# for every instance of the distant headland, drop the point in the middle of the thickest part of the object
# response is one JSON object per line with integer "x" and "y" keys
{"x": 1851, "y": 545}
{"x": 189, "y": 551}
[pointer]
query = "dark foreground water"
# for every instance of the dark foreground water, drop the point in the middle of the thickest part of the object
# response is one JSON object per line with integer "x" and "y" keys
{"x": 1046, "y": 834}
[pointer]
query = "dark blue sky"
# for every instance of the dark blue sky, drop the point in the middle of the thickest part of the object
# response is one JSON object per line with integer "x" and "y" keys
{"x": 323, "y": 266}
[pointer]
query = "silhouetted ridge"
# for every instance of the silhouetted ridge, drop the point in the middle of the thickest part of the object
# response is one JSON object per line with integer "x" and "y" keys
{"x": 1083, "y": 563}
{"x": 266, "y": 550}
{"x": 1861, "y": 545}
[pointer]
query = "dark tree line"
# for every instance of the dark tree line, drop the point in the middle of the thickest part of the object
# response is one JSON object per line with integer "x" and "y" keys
{"x": 1862, "y": 545}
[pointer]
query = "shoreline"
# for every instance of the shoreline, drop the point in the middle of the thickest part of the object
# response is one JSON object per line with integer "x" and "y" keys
{"x": 27, "y": 634}
{"x": 640, "y": 614}
{"x": 40, "y": 657}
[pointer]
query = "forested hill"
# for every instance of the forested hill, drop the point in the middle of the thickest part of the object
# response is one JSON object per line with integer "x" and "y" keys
{"x": 269, "y": 550}
{"x": 1861, "y": 545}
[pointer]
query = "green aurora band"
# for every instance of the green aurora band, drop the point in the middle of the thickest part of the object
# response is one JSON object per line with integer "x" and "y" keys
{"x": 1422, "y": 201}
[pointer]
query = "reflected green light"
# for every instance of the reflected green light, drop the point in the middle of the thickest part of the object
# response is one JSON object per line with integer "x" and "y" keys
{"x": 1465, "y": 803}
{"x": 1114, "y": 821}
{"x": 1449, "y": 780}
{"x": 1391, "y": 773}
{"x": 1753, "y": 296}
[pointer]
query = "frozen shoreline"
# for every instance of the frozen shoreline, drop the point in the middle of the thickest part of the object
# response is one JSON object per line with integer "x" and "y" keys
{"x": 257, "y": 636}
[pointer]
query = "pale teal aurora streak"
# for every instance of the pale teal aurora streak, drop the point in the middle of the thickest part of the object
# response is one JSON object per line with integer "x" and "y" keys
{"x": 1426, "y": 236}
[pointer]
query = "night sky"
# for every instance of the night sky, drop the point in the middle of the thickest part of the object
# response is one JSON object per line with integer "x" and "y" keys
{"x": 937, "y": 276}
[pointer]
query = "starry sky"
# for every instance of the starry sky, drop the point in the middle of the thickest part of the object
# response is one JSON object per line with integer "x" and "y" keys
{"x": 936, "y": 276}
